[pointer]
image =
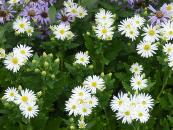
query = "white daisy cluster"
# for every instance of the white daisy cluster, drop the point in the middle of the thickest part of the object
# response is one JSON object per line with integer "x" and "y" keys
{"x": 26, "y": 99}
{"x": 130, "y": 26}
{"x": 83, "y": 100}
{"x": 75, "y": 9}
{"x": 82, "y": 58}
{"x": 132, "y": 107}
{"x": 14, "y": 60}
{"x": 62, "y": 32}
{"x": 22, "y": 25}
{"x": 138, "y": 81}
{"x": 104, "y": 28}
{"x": 168, "y": 50}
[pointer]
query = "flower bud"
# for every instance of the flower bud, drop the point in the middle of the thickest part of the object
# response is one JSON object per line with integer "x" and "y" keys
{"x": 72, "y": 127}
{"x": 44, "y": 54}
{"x": 53, "y": 76}
{"x": 91, "y": 66}
{"x": 36, "y": 70}
{"x": 39, "y": 94}
{"x": 57, "y": 60}
{"x": 51, "y": 55}
{"x": 110, "y": 74}
{"x": 102, "y": 74}
{"x": 34, "y": 61}
{"x": 19, "y": 87}
{"x": 43, "y": 73}
{"x": 46, "y": 64}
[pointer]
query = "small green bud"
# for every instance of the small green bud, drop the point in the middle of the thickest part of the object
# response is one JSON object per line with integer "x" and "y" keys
{"x": 39, "y": 94}
{"x": 53, "y": 76}
{"x": 72, "y": 127}
{"x": 88, "y": 33}
{"x": 110, "y": 74}
{"x": 36, "y": 70}
{"x": 145, "y": 13}
{"x": 166, "y": 60}
{"x": 34, "y": 61}
{"x": 102, "y": 74}
{"x": 28, "y": 70}
{"x": 51, "y": 55}
{"x": 91, "y": 66}
{"x": 19, "y": 87}
{"x": 71, "y": 120}
{"x": 43, "y": 73}
{"x": 44, "y": 54}
{"x": 129, "y": 44}
{"x": 57, "y": 60}
{"x": 46, "y": 64}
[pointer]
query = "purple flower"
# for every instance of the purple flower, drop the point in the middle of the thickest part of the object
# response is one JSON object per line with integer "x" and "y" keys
{"x": 30, "y": 12}
{"x": 6, "y": 13}
{"x": 42, "y": 17}
{"x": 158, "y": 16}
{"x": 51, "y": 2}
{"x": 35, "y": 2}
{"x": 64, "y": 17}
{"x": 45, "y": 32}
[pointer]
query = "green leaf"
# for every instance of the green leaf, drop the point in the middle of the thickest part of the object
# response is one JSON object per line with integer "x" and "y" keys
{"x": 52, "y": 14}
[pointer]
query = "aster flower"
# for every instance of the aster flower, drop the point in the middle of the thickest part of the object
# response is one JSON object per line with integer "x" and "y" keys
{"x": 6, "y": 13}
{"x": 82, "y": 58}
{"x": 10, "y": 93}
{"x": 44, "y": 32}
{"x": 30, "y": 12}
{"x": 158, "y": 16}
{"x": 64, "y": 17}
{"x": 51, "y": 2}
{"x": 42, "y": 17}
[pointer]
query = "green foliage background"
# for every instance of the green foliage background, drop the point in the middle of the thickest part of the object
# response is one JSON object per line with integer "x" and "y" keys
{"x": 57, "y": 78}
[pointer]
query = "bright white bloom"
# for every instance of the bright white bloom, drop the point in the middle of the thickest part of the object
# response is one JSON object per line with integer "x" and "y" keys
{"x": 29, "y": 110}
{"x": 2, "y": 53}
{"x": 142, "y": 115}
{"x": 132, "y": 33}
{"x": 94, "y": 82}
{"x": 126, "y": 114}
{"x": 68, "y": 3}
{"x": 136, "y": 68}
{"x": 104, "y": 32}
{"x": 168, "y": 48}
{"x": 61, "y": 31}
{"x": 93, "y": 101}
{"x": 82, "y": 58}
{"x": 167, "y": 30}
{"x": 81, "y": 124}
{"x": 80, "y": 92}
{"x": 13, "y": 62}
{"x": 146, "y": 49}
{"x": 10, "y": 93}
{"x": 138, "y": 21}
{"x": 169, "y": 9}
{"x": 104, "y": 18}
{"x": 85, "y": 110}
{"x": 151, "y": 33}
{"x": 21, "y": 25}
{"x": 73, "y": 9}
{"x": 138, "y": 82}
{"x": 29, "y": 31}
{"x": 170, "y": 61}
{"x": 145, "y": 101}
{"x": 119, "y": 102}
{"x": 23, "y": 50}
{"x": 72, "y": 107}
{"x": 26, "y": 97}
{"x": 82, "y": 12}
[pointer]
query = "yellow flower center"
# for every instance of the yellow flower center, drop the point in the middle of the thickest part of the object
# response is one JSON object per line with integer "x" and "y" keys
{"x": 29, "y": 108}
{"x": 135, "y": 69}
{"x": 62, "y": 31}
{"x": 169, "y": 7}
{"x": 84, "y": 110}
{"x": 137, "y": 22}
{"x": 147, "y": 47}
{"x": 131, "y": 32}
{"x": 93, "y": 84}
{"x": 82, "y": 59}
{"x": 120, "y": 102}
{"x": 21, "y": 25}
{"x": 138, "y": 82}
{"x": 11, "y": 94}
{"x": 73, "y": 107}
{"x": 104, "y": 17}
{"x": 127, "y": 113}
{"x": 74, "y": 11}
{"x": 81, "y": 94}
{"x": 15, "y": 61}
{"x": 151, "y": 32}
{"x": 144, "y": 103}
{"x": 140, "y": 114}
{"x": 104, "y": 30}
{"x": 24, "y": 98}
{"x": 23, "y": 52}
{"x": 170, "y": 32}
{"x": 169, "y": 50}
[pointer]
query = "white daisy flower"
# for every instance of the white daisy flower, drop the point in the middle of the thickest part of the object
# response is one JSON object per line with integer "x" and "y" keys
{"x": 29, "y": 31}
{"x": 72, "y": 9}
{"x": 93, "y": 101}
{"x": 138, "y": 82}
{"x": 80, "y": 92}
{"x": 141, "y": 114}
{"x": 119, "y": 102}
{"x": 170, "y": 61}
{"x": 85, "y": 110}
{"x": 104, "y": 32}
{"x": 146, "y": 49}
{"x": 169, "y": 9}
{"x": 145, "y": 101}
{"x": 71, "y": 107}
{"x": 167, "y": 30}
{"x": 13, "y": 1}
{"x": 68, "y": 3}
{"x": 20, "y": 25}
{"x": 61, "y": 31}
{"x": 23, "y": 50}
{"x": 13, "y": 62}
{"x": 151, "y": 33}
{"x": 168, "y": 48}
{"x": 29, "y": 110}
{"x": 94, "y": 82}
{"x": 138, "y": 21}
{"x": 126, "y": 114}
{"x": 136, "y": 68}
{"x": 82, "y": 58}
{"x": 82, "y": 12}
{"x": 26, "y": 97}
{"x": 10, "y": 93}
{"x": 132, "y": 33}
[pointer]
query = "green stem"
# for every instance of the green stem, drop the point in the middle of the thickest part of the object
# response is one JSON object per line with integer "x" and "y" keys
{"x": 106, "y": 116}
{"x": 164, "y": 84}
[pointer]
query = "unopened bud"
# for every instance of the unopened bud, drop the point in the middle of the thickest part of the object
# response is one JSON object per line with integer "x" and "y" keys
{"x": 46, "y": 64}
{"x": 102, "y": 74}
{"x": 19, "y": 87}
{"x": 57, "y": 60}
{"x": 44, "y": 54}
{"x": 43, "y": 73}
